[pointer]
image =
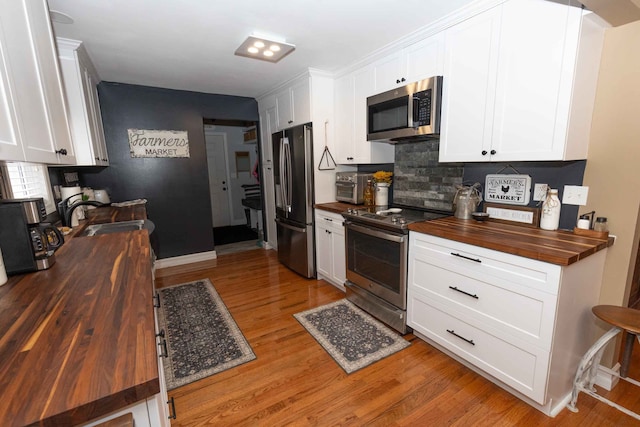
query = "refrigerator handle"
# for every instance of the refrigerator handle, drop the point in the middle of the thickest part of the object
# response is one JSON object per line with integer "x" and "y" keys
{"x": 281, "y": 173}
{"x": 289, "y": 175}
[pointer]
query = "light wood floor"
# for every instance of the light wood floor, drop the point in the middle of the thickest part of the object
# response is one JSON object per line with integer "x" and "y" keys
{"x": 294, "y": 381}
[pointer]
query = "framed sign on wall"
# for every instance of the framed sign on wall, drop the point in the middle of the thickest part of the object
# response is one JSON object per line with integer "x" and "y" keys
{"x": 158, "y": 143}
{"x": 509, "y": 189}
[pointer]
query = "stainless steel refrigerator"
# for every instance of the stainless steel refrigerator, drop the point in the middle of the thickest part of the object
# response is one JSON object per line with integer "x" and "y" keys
{"x": 293, "y": 176}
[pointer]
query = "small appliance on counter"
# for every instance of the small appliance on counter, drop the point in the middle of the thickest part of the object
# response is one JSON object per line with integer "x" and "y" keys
{"x": 350, "y": 186}
{"x": 27, "y": 243}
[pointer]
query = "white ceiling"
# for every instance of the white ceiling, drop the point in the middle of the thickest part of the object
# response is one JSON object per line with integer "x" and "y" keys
{"x": 190, "y": 44}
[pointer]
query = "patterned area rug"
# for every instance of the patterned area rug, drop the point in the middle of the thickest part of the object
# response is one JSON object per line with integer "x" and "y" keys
{"x": 352, "y": 337}
{"x": 202, "y": 337}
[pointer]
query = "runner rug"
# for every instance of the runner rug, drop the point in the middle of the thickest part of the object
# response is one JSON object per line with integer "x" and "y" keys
{"x": 352, "y": 337}
{"x": 202, "y": 337}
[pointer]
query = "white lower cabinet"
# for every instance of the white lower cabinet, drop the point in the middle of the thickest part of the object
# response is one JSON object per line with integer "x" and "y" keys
{"x": 330, "y": 248}
{"x": 513, "y": 319}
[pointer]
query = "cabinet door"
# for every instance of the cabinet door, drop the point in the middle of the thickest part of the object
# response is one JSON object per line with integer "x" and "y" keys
{"x": 363, "y": 87}
{"x": 323, "y": 248}
{"x": 301, "y": 102}
{"x": 424, "y": 59}
{"x": 10, "y": 144}
{"x": 285, "y": 112}
{"x": 530, "y": 80}
{"x": 32, "y": 71}
{"x": 268, "y": 126}
{"x": 95, "y": 120}
{"x": 344, "y": 115}
{"x": 339, "y": 255}
{"x": 389, "y": 73}
{"x": 471, "y": 54}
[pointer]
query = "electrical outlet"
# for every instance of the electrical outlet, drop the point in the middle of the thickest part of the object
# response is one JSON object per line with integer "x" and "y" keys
{"x": 540, "y": 192}
{"x": 575, "y": 195}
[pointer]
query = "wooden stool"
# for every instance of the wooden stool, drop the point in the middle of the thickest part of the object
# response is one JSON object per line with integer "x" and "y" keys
{"x": 621, "y": 318}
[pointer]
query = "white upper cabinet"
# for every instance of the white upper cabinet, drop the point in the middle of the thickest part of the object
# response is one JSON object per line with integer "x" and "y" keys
{"x": 418, "y": 61}
{"x": 511, "y": 77}
{"x": 81, "y": 81}
{"x": 34, "y": 126}
{"x": 350, "y": 104}
{"x": 293, "y": 104}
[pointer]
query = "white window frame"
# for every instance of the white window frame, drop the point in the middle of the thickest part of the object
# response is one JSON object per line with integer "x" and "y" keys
{"x": 25, "y": 180}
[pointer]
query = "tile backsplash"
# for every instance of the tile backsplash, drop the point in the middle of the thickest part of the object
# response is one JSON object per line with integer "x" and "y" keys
{"x": 419, "y": 180}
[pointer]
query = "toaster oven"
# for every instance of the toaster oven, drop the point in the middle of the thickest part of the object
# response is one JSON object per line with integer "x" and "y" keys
{"x": 350, "y": 186}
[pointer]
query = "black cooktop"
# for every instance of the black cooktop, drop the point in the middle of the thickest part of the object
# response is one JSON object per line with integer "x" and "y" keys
{"x": 393, "y": 218}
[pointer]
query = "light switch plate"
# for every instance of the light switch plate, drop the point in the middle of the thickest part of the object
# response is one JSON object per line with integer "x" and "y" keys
{"x": 575, "y": 195}
{"x": 540, "y": 192}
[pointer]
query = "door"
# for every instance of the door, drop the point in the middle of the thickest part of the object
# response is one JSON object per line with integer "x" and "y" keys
{"x": 216, "y": 144}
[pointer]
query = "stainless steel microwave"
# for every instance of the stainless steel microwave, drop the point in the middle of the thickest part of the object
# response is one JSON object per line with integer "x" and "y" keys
{"x": 411, "y": 112}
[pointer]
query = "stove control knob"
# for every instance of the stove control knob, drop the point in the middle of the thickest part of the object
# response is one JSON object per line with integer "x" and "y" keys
{"x": 403, "y": 221}
{"x": 394, "y": 219}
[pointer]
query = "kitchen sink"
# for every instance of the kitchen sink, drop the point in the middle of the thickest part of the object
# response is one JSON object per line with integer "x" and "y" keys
{"x": 118, "y": 227}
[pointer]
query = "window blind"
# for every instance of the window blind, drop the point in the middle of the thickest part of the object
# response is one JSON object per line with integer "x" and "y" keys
{"x": 30, "y": 180}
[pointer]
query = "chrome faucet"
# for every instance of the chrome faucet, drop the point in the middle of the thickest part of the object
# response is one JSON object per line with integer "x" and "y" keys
{"x": 65, "y": 210}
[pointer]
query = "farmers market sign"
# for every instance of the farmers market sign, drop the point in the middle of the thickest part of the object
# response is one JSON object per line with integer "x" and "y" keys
{"x": 158, "y": 143}
{"x": 509, "y": 189}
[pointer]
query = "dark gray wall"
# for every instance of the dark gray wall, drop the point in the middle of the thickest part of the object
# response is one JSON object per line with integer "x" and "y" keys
{"x": 177, "y": 189}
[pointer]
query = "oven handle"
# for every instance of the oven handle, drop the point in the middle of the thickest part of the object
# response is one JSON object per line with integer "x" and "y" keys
{"x": 376, "y": 233}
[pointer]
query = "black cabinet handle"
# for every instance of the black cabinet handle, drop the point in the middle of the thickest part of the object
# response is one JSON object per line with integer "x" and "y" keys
{"x": 328, "y": 219}
{"x": 493, "y": 152}
{"x": 466, "y": 257}
{"x": 97, "y": 159}
{"x": 156, "y": 300}
{"x": 452, "y": 332}
{"x": 290, "y": 121}
{"x": 484, "y": 152}
{"x": 463, "y": 292}
{"x": 161, "y": 333}
{"x": 163, "y": 347}
{"x": 172, "y": 408}
{"x": 62, "y": 151}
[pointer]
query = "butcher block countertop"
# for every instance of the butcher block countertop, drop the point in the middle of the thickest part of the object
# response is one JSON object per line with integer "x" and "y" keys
{"x": 336, "y": 207}
{"x": 555, "y": 247}
{"x": 77, "y": 340}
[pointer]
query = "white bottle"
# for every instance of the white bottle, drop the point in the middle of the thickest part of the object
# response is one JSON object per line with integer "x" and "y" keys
{"x": 550, "y": 217}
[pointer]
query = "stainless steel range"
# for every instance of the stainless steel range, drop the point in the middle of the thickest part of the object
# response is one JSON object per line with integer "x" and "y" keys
{"x": 377, "y": 243}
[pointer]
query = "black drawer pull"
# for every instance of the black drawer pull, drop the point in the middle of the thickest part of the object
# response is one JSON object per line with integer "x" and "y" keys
{"x": 156, "y": 300}
{"x": 172, "y": 408}
{"x": 452, "y": 332}
{"x": 160, "y": 334}
{"x": 163, "y": 347}
{"x": 463, "y": 292}
{"x": 466, "y": 257}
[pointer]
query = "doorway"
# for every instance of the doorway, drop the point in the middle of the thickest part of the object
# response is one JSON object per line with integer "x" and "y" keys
{"x": 231, "y": 161}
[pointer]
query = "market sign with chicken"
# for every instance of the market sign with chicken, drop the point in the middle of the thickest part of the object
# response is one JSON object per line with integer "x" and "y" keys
{"x": 509, "y": 189}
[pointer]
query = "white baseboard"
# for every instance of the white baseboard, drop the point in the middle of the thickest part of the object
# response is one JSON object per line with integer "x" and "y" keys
{"x": 608, "y": 378}
{"x": 185, "y": 259}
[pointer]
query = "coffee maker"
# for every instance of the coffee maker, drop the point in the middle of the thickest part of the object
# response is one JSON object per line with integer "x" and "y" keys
{"x": 27, "y": 243}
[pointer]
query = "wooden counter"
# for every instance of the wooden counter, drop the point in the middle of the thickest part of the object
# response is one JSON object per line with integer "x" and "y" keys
{"x": 336, "y": 207}
{"x": 77, "y": 340}
{"x": 556, "y": 247}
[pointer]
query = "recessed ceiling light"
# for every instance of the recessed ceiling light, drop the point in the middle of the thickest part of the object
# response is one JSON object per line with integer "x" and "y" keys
{"x": 254, "y": 45}
{"x": 59, "y": 17}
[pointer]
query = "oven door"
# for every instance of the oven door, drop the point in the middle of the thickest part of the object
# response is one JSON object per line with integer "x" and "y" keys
{"x": 377, "y": 262}
{"x": 347, "y": 192}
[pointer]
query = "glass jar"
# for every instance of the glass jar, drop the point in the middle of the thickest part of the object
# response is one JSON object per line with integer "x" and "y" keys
{"x": 601, "y": 224}
{"x": 368, "y": 194}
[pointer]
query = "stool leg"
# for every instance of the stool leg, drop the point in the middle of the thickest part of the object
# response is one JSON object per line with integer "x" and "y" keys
{"x": 588, "y": 367}
{"x": 626, "y": 358}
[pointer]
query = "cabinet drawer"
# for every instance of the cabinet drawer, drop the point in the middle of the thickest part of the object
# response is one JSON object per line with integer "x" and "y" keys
{"x": 519, "y": 365}
{"x": 485, "y": 264}
{"x": 329, "y": 220}
{"x": 514, "y": 309}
